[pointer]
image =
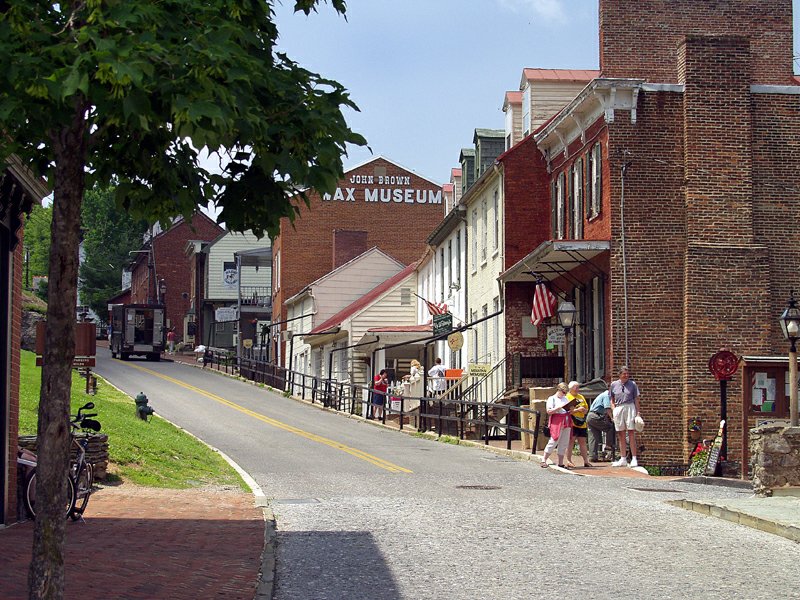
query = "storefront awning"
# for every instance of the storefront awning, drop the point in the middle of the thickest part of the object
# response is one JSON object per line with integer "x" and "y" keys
{"x": 554, "y": 259}
{"x": 398, "y": 334}
{"x": 257, "y": 257}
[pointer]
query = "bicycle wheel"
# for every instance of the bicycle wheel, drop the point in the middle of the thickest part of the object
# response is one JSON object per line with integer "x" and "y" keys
{"x": 30, "y": 495}
{"x": 83, "y": 489}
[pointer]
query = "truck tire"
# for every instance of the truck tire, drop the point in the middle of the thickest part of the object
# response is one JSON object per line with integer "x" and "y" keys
{"x": 124, "y": 355}
{"x": 154, "y": 357}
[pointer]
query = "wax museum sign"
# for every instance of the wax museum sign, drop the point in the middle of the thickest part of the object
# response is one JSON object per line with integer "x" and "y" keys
{"x": 385, "y": 189}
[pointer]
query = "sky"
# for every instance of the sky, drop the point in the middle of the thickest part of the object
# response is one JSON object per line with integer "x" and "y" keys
{"x": 426, "y": 73}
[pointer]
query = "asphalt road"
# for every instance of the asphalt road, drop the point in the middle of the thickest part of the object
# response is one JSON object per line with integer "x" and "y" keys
{"x": 364, "y": 512}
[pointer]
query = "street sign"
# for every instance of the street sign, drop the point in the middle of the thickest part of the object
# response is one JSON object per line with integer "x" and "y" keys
{"x": 248, "y": 343}
{"x": 227, "y": 313}
{"x": 555, "y": 334}
{"x": 442, "y": 324}
{"x": 78, "y": 362}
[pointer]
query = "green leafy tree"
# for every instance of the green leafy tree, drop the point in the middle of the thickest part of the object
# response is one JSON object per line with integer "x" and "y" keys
{"x": 109, "y": 234}
{"x": 37, "y": 241}
{"x": 94, "y": 92}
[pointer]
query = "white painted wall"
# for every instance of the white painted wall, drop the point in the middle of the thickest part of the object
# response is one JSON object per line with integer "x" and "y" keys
{"x": 221, "y": 251}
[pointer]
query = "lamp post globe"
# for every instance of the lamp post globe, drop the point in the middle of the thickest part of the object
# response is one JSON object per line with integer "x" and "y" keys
{"x": 566, "y": 316}
{"x": 790, "y": 325}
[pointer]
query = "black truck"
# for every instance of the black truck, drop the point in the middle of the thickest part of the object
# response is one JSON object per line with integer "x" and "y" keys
{"x": 138, "y": 329}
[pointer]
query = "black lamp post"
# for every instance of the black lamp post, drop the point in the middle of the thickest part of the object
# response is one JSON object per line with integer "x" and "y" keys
{"x": 566, "y": 316}
{"x": 790, "y": 324}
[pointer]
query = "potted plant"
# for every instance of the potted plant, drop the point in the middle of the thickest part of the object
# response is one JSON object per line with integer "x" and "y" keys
{"x": 695, "y": 430}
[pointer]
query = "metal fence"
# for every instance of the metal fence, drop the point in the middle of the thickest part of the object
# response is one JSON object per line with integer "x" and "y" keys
{"x": 458, "y": 411}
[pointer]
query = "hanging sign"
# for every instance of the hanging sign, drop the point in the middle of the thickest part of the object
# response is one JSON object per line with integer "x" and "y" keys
{"x": 555, "y": 334}
{"x": 226, "y": 313}
{"x": 230, "y": 276}
{"x": 442, "y": 324}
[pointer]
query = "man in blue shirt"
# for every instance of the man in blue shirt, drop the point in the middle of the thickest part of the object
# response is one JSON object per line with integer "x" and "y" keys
{"x": 599, "y": 421}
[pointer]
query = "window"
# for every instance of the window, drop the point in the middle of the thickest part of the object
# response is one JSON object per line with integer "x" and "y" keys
{"x": 598, "y": 328}
{"x": 496, "y": 211}
{"x": 485, "y": 334}
{"x": 485, "y": 229}
{"x": 405, "y": 296}
{"x": 558, "y": 207}
{"x": 474, "y": 240}
{"x": 449, "y": 266}
{"x": 594, "y": 179}
{"x": 577, "y": 200}
{"x": 278, "y": 270}
{"x": 473, "y": 316}
{"x": 458, "y": 257}
{"x": 496, "y": 336}
{"x": 441, "y": 273}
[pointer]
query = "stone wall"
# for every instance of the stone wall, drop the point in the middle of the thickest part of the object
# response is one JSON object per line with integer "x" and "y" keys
{"x": 96, "y": 451}
{"x": 774, "y": 457}
{"x": 28, "y": 335}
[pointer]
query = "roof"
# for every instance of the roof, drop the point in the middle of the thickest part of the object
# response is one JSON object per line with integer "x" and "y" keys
{"x": 512, "y": 98}
{"x": 340, "y": 268}
{"x": 447, "y": 187}
{"x": 426, "y": 328}
{"x": 516, "y": 146}
{"x": 559, "y": 74}
{"x": 256, "y": 257}
{"x": 490, "y": 133}
{"x": 467, "y": 152}
{"x": 455, "y": 172}
{"x": 365, "y": 300}
{"x": 389, "y": 160}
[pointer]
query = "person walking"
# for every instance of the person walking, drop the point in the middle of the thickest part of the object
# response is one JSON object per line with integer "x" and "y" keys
{"x": 625, "y": 408}
{"x": 171, "y": 340}
{"x": 438, "y": 382}
{"x": 579, "y": 429}
{"x": 599, "y": 422}
{"x": 560, "y": 425}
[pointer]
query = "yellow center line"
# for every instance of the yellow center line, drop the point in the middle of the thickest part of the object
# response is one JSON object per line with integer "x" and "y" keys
{"x": 378, "y": 462}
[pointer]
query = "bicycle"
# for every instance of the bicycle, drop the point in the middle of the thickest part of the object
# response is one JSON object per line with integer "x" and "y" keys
{"x": 80, "y": 476}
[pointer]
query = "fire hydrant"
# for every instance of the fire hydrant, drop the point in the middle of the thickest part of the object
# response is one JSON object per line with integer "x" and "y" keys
{"x": 142, "y": 409}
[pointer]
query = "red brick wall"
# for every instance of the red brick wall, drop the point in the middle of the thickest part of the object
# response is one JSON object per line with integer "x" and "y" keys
{"x": 640, "y": 39}
{"x": 526, "y": 205}
{"x": 399, "y": 229}
{"x": 13, "y": 407}
{"x": 347, "y": 244}
{"x": 173, "y": 266}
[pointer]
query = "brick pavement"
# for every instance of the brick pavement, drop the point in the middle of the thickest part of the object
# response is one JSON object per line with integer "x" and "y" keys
{"x": 150, "y": 543}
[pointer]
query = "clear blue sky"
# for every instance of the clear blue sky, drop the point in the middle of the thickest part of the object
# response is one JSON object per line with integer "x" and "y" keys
{"x": 426, "y": 73}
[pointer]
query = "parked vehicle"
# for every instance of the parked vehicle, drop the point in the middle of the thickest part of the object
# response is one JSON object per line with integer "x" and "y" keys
{"x": 138, "y": 329}
{"x": 80, "y": 478}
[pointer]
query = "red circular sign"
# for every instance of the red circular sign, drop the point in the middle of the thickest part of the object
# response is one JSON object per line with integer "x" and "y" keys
{"x": 723, "y": 364}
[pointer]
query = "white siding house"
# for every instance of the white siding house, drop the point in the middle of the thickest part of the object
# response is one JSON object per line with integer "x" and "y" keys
{"x": 329, "y": 294}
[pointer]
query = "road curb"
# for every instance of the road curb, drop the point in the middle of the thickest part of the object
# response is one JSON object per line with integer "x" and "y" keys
{"x": 708, "y": 509}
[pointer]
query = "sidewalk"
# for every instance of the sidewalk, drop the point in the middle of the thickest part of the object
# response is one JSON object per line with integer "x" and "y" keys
{"x": 139, "y": 542}
{"x": 779, "y": 515}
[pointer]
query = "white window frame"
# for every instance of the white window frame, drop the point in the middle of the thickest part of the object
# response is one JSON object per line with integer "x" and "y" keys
{"x": 577, "y": 199}
{"x": 485, "y": 229}
{"x": 595, "y": 187}
{"x": 559, "y": 208}
{"x": 474, "y": 240}
{"x": 496, "y": 210}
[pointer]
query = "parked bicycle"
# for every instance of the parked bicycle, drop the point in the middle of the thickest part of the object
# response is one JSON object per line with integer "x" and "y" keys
{"x": 80, "y": 476}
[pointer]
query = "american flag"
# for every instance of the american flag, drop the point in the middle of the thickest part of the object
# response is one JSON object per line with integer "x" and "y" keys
{"x": 436, "y": 308}
{"x": 544, "y": 304}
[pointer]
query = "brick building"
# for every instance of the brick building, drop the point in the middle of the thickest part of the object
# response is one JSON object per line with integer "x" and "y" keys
{"x": 19, "y": 190}
{"x": 667, "y": 178}
{"x": 377, "y": 204}
{"x": 163, "y": 259}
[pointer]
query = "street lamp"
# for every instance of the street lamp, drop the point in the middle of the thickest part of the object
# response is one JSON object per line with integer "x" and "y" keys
{"x": 790, "y": 324}
{"x": 566, "y": 316}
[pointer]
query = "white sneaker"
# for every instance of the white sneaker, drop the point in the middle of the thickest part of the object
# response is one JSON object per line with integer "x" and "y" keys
{"x": 622, "y": 462}
{"x": 634, "y": 462}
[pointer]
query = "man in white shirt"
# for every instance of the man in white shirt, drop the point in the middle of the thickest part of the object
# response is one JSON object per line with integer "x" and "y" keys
{"x": 436, "y": 374}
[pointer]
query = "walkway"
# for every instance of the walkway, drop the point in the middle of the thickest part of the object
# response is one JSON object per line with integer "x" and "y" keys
{"x": 151, "y": 543}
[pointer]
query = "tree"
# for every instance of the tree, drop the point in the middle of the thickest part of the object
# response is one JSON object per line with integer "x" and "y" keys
{"x": 37, "y": 240}
{"x": 95, "y": 92}
{"x": 108, "y": 235}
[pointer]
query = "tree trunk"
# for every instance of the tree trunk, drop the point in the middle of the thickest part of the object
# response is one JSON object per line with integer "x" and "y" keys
{"x": 46, "y": 575}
